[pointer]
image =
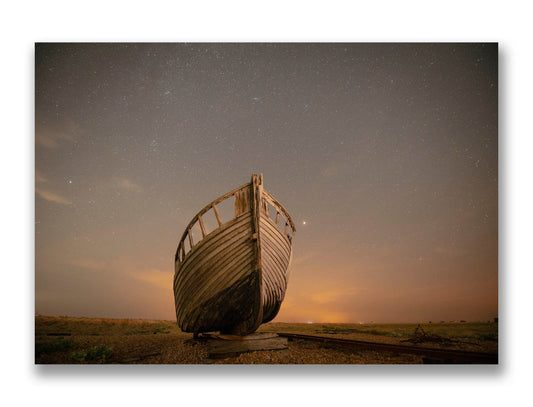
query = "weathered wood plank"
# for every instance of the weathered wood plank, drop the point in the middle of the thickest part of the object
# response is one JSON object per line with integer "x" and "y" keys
{"x": 208, "y": 206}
{"x": 217, "y": 242}
{"x": 221, "y": 258}
{"x": 202, "y": 227}
{"x": 274, "y": 202}
{"x": 222, "y": 348}
{"x": 264, "y": 207}
{"x": 276, "y": 234}
{"x": 217, "y": 215}
{"x": 242, "y": 201}
{"x": 206, "y": 262}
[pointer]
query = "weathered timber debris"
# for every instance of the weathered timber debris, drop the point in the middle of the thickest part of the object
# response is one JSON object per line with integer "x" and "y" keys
{"x": 223, "y": 346}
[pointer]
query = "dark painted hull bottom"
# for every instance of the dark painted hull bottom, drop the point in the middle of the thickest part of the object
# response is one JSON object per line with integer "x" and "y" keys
{"x": 238, "y": 308}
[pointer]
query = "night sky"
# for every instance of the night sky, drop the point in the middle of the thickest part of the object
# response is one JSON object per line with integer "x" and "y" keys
{"x": 385, "y": 155}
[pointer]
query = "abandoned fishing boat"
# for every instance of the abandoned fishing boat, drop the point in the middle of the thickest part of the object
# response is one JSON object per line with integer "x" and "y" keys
{"x": 233, "y": 278}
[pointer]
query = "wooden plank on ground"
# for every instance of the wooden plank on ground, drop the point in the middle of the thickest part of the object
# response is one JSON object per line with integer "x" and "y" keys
{"x": 224, "y": 346}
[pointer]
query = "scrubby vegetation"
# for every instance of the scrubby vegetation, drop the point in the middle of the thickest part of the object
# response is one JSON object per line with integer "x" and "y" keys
{"x": 68, "y": 340}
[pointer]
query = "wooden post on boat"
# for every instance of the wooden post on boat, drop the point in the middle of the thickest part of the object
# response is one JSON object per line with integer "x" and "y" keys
{"x": 249, "y": 200}
{"x": 257, "y": 185}
{"x": 257, "y": 201}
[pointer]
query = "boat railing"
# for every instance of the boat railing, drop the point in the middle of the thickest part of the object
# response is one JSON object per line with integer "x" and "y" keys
{"x": 279, "y": 216}
{"x": 182, "y": 250}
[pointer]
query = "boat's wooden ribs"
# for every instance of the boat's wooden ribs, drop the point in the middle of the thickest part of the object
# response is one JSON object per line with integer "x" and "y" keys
{"x": 280, "y": 209}
{"x": 217, "y": 215}
{"x": 242, "y": 205}
{"x": 288, "y": 224}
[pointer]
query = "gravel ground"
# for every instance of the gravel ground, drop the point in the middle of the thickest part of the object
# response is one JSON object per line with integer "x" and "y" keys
{"x": 174, "y": 349}
{"x": 62, "y": 340}
{"x": 300, "y": 352}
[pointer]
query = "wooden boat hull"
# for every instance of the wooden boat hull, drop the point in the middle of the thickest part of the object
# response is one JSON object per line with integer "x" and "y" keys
{"x": 235, "y": 277}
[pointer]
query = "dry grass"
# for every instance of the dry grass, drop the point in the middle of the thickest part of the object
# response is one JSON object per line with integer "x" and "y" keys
{"x": 68, "y": 340}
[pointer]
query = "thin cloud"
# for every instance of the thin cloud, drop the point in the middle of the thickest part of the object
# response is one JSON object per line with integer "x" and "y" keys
{"x": 51, "y": 197}
{"x": 39, "y": 178}
{"x": 52, "y": 139}
{"x": 90, "y": 264}
{"x": 325, "y": 297}
{"x": 126, "y": 184}
{"x": 303, "y": 258}
{"x": 152, "y": 276}
{"x": 54, "y": 136}
{"x": 161, "y": 279}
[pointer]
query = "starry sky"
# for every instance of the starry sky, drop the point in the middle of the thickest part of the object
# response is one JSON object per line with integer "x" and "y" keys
{"x": 385, "y": 155}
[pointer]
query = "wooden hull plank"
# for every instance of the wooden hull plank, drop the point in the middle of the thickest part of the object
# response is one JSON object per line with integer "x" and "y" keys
{"x": 235, "y": 277}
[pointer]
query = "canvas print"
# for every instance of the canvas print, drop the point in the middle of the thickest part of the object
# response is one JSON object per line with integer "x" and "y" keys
{"x": 266, "y": 203}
